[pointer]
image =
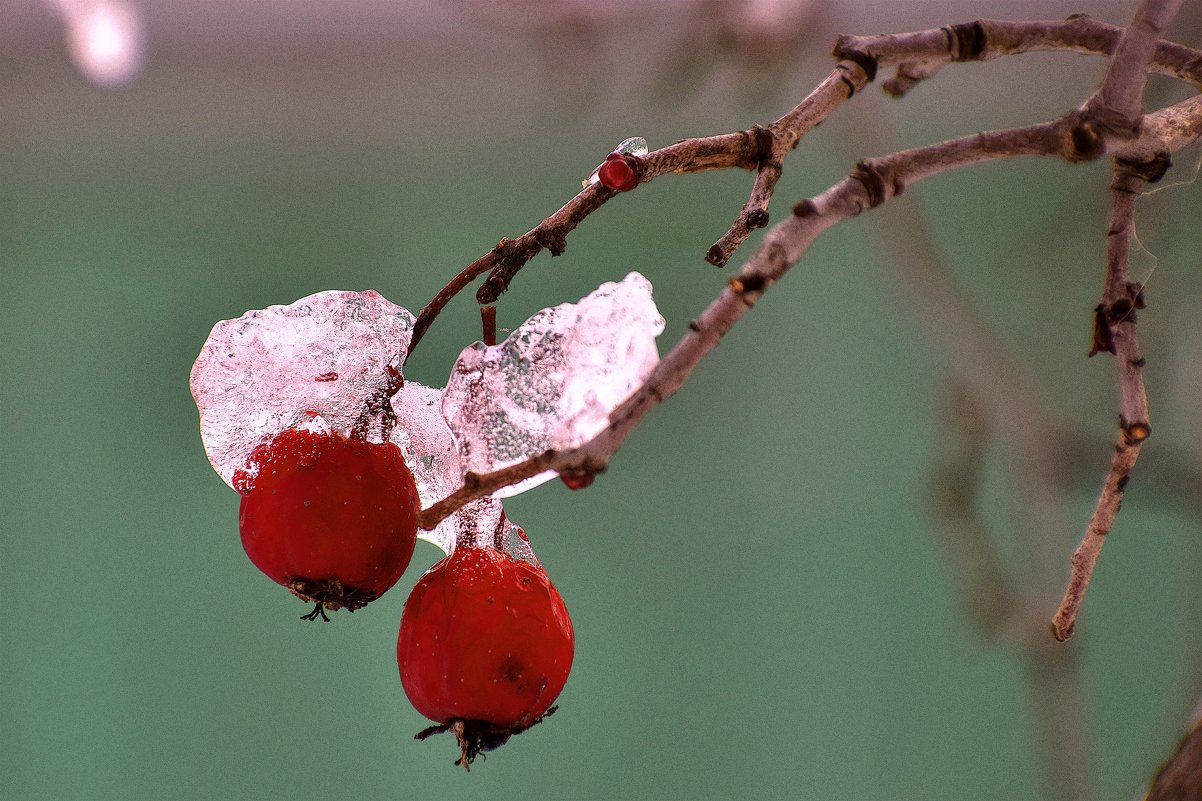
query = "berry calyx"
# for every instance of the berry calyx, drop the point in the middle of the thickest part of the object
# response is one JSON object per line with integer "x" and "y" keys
{"x": 332, "y": 518}
{"x": 485, "y": 647}
{"x": 619, "y": 172}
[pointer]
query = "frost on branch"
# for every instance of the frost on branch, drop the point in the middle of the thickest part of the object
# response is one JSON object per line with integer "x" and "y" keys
{"x": 319, "y": 362}
{"x": 554, "y": 381}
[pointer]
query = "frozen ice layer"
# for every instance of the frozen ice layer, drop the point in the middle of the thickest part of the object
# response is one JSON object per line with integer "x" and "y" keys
{"x": 482, "y": 523}
{"x": 423, "y": 436}
{"x": 322, "y": 361}
{"x": 331, "y": 361}
{"x": 555, "y": 380}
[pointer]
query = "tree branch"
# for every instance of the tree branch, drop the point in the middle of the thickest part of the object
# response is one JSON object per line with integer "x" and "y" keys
{"x": 1120, "y": 97}
{"x": 918, "y": 55}
{"x": 1180, "y": 778}
{"x": 873, "y": 182}
{"x": 921, "y": 54}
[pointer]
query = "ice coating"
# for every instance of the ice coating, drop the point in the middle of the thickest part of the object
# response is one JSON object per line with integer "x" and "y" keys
{"x": 423, "y": 435}
{"x": 482, "y": 523}
{"x": 317, "y": 362}
{"x": 331, "y": 361}
{"x": 554, "y": 381}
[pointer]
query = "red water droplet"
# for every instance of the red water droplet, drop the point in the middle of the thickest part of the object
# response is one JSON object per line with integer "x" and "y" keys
{"x": 617, "y": 173}
{"x": 576, "y": 481}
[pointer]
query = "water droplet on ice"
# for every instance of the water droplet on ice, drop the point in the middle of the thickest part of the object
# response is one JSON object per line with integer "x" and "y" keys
{"x": 634, "y": 146}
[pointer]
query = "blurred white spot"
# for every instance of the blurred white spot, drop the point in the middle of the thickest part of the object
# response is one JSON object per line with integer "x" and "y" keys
{"x": 105, "y": 39}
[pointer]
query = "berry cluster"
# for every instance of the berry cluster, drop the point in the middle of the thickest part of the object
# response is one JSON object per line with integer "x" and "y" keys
{"x": 485, "y": 642}
{"x": 305, "y": 412}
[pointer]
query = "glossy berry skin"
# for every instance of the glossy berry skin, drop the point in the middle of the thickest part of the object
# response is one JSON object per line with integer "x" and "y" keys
{"x": 485, "y": 646}
{"x": 332, "y": 518}
{"x": 617, "y": 173}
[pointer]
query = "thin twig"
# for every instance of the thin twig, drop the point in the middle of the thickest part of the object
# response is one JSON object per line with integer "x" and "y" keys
{"x": 873, "y": 182}
{"x": 783, "y": 136}
{"x": 1115, "y": 320}
{"x": 921, "y": 54}
{"x": 551, "y": 234}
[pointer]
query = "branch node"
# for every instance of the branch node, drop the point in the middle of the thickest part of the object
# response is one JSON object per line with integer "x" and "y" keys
{"x": 556, "y": 242}
{"x": 1135, "y": 432}
{"x": 879, "y": 186}
{"x": 743, "y": 284}
{"x": 966, "y": 41}
{"x": 1085, "y": 141}
{"x": 805, "y": 208}
{"x": 492, "y": 288}
{"x": 1151, "y": 170}
{"x": 762, "y": 143}
{"x": 757, "y": 219}
{"x": 716, "y": 255}
{"x": 845, "y": 50}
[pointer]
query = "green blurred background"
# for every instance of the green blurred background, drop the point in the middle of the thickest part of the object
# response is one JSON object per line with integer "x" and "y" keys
{"x": 761, "y": 607}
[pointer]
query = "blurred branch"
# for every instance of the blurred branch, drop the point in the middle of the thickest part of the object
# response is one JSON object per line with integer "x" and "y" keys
{"x": 1001, "y": 610}
{"x": 985, "y": 589}
{"x": 1180, "y": 778}
{"x": 990, "y": 392}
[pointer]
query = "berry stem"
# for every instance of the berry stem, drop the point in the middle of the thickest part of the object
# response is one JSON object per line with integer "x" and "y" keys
{"x": 488, "y": 320}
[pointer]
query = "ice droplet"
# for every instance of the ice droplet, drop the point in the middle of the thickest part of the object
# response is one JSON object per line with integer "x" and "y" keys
{"x": 554, "y": 381}
{"x": 634, "y": 146}
{"x": 321, "y": 361}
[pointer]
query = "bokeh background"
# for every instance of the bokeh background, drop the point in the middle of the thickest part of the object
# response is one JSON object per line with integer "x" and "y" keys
{"x": 762, "y": 605}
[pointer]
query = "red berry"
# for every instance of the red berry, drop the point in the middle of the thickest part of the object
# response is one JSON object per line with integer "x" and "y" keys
{"x": 485, "y": 647}
{"x": 617, "y": 172}
{"x": 332, "y": 519}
